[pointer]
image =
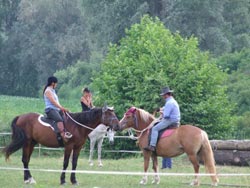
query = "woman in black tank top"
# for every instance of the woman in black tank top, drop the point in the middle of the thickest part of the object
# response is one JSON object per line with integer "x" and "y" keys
{"x": 86, "y": 100}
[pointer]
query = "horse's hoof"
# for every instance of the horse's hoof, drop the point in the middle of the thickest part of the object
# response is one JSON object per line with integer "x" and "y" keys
{"x": 195, "y": 183}
{"x": 91, "y": 164}
{"x": 143, "y": 182}
{"x": 100, "y": 165}
{"x": 157, "y": 182}
{"x": 63, "y": 183}
{"x": 75, "y": 183}
{"x": 214, "y": 184}
{"x": 31, "y": 180}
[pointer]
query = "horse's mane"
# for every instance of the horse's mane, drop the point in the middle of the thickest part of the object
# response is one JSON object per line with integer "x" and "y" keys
{"x": 145, "y": 116}
{"x": 88, "y": 116}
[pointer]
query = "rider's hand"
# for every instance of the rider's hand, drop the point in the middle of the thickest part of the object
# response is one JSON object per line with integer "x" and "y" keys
{"x": 64, "y": 109}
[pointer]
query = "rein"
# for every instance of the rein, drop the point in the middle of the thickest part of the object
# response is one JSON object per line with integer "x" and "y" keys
{"x": 85, "y": 126}
{"x": 131, "y": 135}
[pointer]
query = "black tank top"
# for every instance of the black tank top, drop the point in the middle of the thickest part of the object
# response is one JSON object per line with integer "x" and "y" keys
{"x": 85, "y": 107}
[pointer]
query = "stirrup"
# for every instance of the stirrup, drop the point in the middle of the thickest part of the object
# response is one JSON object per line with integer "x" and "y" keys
{"x": 68, "y": 135}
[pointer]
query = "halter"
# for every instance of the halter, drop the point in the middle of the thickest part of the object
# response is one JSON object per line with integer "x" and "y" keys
{"x": 110, "y": 120}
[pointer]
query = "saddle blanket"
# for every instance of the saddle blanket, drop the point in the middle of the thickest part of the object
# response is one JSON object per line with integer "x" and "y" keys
{"x": 167, "y": 133}
{"x": 47, "y": 122}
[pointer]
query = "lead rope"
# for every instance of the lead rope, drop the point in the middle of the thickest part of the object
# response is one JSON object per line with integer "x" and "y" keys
{"x": 131, "y": 135}
{"x": 85, "y": 126}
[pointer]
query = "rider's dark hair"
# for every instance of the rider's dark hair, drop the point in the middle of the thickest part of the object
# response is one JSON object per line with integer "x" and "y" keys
{"x": 50, "y": 80}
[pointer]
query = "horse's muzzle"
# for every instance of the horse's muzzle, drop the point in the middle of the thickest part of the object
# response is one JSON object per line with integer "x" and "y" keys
{"x": 111, "y": 142}
{"x": 116, "y": 128}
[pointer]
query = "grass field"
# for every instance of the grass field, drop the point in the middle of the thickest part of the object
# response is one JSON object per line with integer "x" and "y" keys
{"x": 45, "y": 179}
{"x": 11, "y": 106}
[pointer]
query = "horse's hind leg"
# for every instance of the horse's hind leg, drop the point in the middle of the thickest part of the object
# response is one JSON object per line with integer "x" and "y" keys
{"x": 27, "y": 151}
{"x": 100, "y": 152}
{"x": 195, "y": 162}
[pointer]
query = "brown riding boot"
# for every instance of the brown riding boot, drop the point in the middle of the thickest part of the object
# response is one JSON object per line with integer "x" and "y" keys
{"x": 65, "y": 135}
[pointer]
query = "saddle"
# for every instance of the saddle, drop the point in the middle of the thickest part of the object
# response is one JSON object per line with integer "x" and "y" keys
{"x": 44, "y": 120}
{"x": 164, "y": 132}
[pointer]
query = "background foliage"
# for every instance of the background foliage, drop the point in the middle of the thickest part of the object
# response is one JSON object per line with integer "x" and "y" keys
{"x": 71, "y": 39}
{"x": 150, "y": 57}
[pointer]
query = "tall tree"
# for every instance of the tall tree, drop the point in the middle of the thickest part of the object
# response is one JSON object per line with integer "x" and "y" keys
{"x": 150, "y": 57}
{"x": 237, "y": 15}
{"x": 48, "y": 35}
{"x": 109, "y": 19}
{"x": 202, "y": 19}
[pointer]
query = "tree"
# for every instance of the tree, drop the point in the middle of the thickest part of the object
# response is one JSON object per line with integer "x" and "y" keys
{"x": 150, "y": 57}
{"x": 74, "y": 78}
{"x": 237, "y": 16}
{"x": 47, "y": 36}
{"x": 107, "y": 20}
{"x": 202, "y": 19}
{"x": 237, "y": 66}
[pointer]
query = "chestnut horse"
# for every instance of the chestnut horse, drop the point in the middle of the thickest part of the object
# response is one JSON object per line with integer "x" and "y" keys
{"x": 27, "y": 131}
{"x": 185, "y": 139}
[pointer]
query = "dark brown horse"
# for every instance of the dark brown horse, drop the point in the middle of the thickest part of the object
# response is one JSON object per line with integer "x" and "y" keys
{"x": 185, "y": 139}
{"x": 27, "y": 131}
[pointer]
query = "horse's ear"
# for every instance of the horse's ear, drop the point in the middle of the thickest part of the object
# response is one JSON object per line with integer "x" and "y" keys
{"x": 111, "y": 108}
{"x": 105, "y": 107}
{"x": 133, "y": 109}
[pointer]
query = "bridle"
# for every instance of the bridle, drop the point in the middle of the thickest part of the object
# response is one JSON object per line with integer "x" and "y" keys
{"x": 131, "y": 135}
{"x": 110, "y": 120}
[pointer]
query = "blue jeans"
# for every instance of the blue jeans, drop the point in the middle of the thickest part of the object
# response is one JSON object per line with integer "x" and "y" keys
{"x": 164, "y": 123}
{"x": 166, "y": 162}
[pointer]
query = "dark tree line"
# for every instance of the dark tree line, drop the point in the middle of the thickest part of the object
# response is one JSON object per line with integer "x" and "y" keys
{"x": 40, "y": 37}
{"x": 71, "y": 38}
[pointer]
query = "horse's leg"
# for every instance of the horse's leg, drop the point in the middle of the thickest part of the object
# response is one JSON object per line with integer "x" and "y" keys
{"x": 146, "y": 156}
{"x": 100, "y": 152}
{"x": 27, "y": 151}
{"x": 91, "y": 152}
{"x": 156, "y": 179}
{"x": 195, "y": 162}
{"x": 67, "y": 153}
{"x": 74, "y": 164}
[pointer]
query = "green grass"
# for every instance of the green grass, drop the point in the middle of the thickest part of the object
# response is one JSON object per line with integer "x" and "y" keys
{"x": 14, "y": 178}
{"x": 11, "y": 106}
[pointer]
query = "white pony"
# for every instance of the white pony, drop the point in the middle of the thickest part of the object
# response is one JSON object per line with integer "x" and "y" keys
{"x": 97, "y": 135}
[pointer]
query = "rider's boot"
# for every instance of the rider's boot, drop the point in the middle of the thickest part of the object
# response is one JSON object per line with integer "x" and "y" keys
{"x": 65, "y": 135}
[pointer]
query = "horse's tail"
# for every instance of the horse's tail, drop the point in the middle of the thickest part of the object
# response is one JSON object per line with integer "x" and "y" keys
{"x": 207, "y": 155}
{"x": 18, "y": 139}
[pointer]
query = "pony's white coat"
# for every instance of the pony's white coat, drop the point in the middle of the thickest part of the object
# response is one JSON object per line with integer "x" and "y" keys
{"x": 97, "y": 135}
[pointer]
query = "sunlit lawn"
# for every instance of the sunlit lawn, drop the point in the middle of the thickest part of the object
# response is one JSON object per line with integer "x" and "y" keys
{"x": 14, "y": 178}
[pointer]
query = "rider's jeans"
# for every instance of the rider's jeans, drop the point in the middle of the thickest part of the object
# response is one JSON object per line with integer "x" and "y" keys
{"x": 164, "y": 123}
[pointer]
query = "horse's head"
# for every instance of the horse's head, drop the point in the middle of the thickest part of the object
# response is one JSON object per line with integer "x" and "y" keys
{"x": 111, "y": 135}
{"x": 136, "y": 118}
{"x": 128, "y": 120}
{"x": 109, "y": 117}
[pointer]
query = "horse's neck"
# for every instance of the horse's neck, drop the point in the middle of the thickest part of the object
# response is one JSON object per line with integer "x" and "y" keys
{"x": 142, "y": 124}
{"x": 83, "y": 122}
